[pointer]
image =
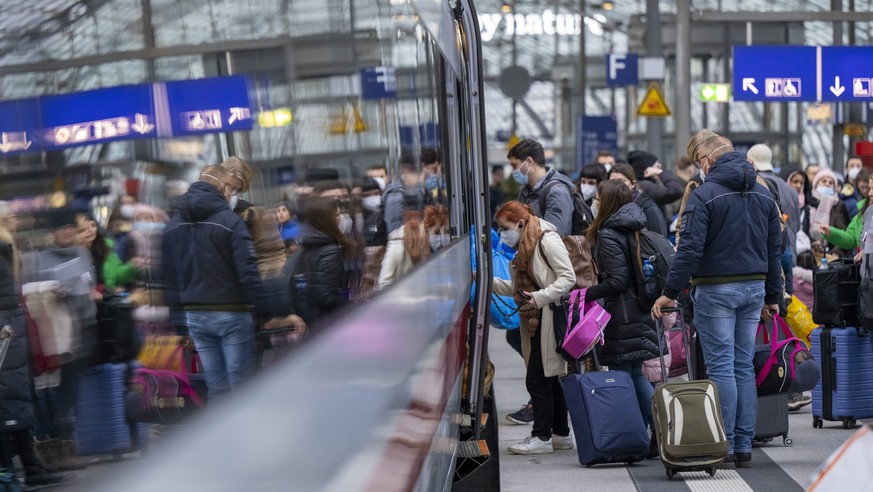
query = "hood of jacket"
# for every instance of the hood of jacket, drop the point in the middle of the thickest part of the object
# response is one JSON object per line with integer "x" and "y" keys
{"x": 201, "y": 201}
{"x": 734, "y": 171}
{"x": 310, "y": 236}
{"x": 551, "y": 174}
{"x": 629, "y": 217}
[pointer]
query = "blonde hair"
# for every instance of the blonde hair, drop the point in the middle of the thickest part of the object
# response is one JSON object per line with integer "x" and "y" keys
{"x": 705, "y": 142}
{"x": 240, "y": 170}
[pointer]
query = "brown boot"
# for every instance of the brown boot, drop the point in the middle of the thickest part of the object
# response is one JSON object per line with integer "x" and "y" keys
{"x": 65, "y": 455}
{"x": 46, "y": 454}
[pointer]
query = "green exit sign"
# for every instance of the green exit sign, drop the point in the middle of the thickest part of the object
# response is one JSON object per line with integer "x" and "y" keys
{"x": 715, "y": 93}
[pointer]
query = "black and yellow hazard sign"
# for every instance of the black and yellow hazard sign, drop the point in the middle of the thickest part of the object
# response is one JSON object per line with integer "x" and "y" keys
{"x": 653, "y": 104}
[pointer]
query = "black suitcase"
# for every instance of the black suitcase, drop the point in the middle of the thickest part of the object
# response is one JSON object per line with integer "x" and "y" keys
{"x": 117, "y": 340}
{"x": 835, "y": 294}
{"x": 772, "y": 421}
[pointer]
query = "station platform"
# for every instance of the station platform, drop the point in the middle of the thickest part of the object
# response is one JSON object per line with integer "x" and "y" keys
{"x": 774, "y": 466}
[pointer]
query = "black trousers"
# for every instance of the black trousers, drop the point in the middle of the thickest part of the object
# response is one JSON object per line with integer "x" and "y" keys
{"x": 21, "y": 442}
{"x": 549, "y": 407}
{"x": 513, "y": 338}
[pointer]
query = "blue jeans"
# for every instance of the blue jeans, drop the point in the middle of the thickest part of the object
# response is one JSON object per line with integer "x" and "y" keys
{"x": 226, "y": 343}
{"x": 645, "y": 390}
{"x": 726, "y": 317}
{"x": 788, "y": 269}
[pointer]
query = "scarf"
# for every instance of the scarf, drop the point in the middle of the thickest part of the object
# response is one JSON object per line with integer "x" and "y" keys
{"x": 525, "y": 282}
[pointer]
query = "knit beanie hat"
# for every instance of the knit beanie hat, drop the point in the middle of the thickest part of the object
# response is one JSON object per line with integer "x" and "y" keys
{"x": 640, "y": 160}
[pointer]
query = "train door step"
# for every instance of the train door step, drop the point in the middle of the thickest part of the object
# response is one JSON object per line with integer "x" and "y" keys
{"x": 466, "y": 420}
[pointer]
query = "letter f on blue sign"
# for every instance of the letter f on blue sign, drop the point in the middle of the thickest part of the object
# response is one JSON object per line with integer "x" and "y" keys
{"x": 621, "y": 69}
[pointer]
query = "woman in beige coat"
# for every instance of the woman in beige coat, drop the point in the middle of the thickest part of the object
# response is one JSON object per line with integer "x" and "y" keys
{"x": 541, "y": 274}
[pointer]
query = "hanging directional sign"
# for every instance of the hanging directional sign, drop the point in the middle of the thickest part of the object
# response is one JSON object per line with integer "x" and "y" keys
{"x": 653, "y": 104}
{"x": 101, "y": 115}
{"x": 219, "y": 104}
{"x": 19, "y": 126}
{"x": 846, "y": 73}
{"x": 378, "y": 83}
{"x": 775, "y": 73}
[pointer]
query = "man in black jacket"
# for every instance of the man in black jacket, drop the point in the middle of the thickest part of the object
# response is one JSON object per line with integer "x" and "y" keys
{"x": 210, "y": 272}
{"x": 730, "y": 249}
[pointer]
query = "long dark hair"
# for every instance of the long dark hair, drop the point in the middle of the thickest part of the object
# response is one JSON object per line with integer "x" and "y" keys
{"x": 613, "y": 195}
{"x": 810, "y": 200}
{"x": 320, "y": 213}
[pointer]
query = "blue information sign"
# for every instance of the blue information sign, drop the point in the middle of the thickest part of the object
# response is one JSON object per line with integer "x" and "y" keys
{"x": 19, "y": 126}
{"x": 102, "y": 115}
{"x": 213, "y": 105}
{"x": 595, "y": 133}
{"x": 775, "y": 73}
{"x": 378, "y": 83}
{"x": 622, "y": 69}
{"x": 846, "y": 73}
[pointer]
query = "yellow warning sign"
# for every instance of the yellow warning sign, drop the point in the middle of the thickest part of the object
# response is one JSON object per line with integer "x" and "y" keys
{"x": 653, "y": 104}
{"x": 513, "y": 140}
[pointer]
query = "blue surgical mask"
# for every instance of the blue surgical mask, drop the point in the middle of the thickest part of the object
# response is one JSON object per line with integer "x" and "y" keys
{"x": 825, "y": 190}
{"x": 148, "y": 226}
{"x": 519, "y": 177}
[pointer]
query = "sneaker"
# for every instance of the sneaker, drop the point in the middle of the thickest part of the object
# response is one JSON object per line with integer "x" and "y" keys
{"x": 532, "y": 445}
{"x": 523, "y": 416}
{"x": 560, "y": 443}
{"x": 796, "y": 401}
{"x": 744, "y": 460}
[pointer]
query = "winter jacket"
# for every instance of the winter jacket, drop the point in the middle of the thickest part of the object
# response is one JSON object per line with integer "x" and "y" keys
{"x": 664, "y": 189}
{"x": 789, "y": 204}
{"x": 850, "y": 200}
{"x": 630, "y": 335}
{"x": 654, "y": 215}
{"x": 290, "y": 230}
{"x": 730, "y": 231}
{"x": 207, "y": 256}
{"x": 556, "y": 278}
{"x": 559, "y": 209}
{"x": 323, "y": 265}
{"x": 849, "y": 238}
{"x": 867, "y": 242}
{"x": 393, "y": 203}
{"x": 16, "y": 407}
{"x": 396, "y": 262}
{"x": 269, "y": 248}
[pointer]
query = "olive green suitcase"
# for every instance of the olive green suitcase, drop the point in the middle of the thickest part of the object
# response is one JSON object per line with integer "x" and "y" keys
{"x": 688, "y": 421}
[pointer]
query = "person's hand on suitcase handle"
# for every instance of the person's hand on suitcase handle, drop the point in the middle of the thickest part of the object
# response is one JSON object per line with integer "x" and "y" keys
{"x": 662, "y": 306}
{"x": 768, "y": 311}
{"x": 291, "y": 320}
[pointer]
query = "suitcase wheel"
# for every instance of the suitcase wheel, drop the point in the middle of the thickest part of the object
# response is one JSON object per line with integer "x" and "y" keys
{"x": 849, "y": 423}
{"x": 787, "y": 441}
{"x": 711, "y": 472}
{"x": 670, "y": 472}
{"x": 817, "y": 423}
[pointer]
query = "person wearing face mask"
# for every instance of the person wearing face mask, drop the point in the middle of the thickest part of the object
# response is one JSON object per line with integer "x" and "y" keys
{"x": 318, "y": 267}
{"x": 849, "y": 238}
{"x": 372, "y": 214}
{"x": 528, "y": 161}
{"x": 407, "y": 246}
{"x": 262, "y": 225}
{"x": 541, "y": 273}
{"x": 432, "y": 177}
{"x": 590, "y": 176}
{"x": 849, "y": 192}
{"x": 625, "y": 174}
{"x": 829, "y": 212}
{"x": 436, "y": 221}
{"x": 606, "y": 159}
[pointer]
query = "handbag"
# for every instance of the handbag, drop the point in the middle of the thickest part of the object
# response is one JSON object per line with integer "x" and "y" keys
{"x": 785, "y": 365}
{"x": 585, "y": 322}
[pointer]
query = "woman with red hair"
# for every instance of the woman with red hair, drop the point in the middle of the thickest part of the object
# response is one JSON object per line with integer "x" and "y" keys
{"x": 541, "y": 274}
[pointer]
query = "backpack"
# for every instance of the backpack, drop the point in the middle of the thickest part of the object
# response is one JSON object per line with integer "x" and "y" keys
{"x": 774, "y": 190}
{"x": 659, "y": 251}
{"x": 582, "y": 261}
{"x": 160, "y": 396}
{"x": 582, "y": 215}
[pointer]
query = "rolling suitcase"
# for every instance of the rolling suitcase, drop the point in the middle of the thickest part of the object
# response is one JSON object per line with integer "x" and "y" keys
{"x": 101, "y": 421}
{"x": 688, "y": 423}
{"x": 606, "y": 416}
{"x": 772, "y": 419}
{"x": 845, "y": 391}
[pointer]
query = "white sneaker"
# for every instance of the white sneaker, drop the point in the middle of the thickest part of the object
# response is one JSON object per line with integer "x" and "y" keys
{"x": 560, "y": 443}
{"x": 532, "y": 445}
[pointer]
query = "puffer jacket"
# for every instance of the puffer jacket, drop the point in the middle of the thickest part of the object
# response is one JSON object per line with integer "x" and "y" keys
{"x": 324, "y": 268}
{"x": 630, "y": 335}
{"x": 655, "y": 221}
{"x": 16, "y": 407}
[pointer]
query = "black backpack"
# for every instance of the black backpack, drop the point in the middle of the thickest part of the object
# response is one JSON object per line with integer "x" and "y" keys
{"x": 774, "y": 190}
{"x": 582, "y": 215}
{"x": 649, "y": 245}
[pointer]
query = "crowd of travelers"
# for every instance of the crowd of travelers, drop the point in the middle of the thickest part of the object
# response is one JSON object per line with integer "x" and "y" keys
{"x": 746, "y": 234}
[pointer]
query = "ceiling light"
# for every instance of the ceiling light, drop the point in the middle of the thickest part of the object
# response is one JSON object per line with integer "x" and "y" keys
{"x": 506, "y": 8}
{"x": 608, "y": 5}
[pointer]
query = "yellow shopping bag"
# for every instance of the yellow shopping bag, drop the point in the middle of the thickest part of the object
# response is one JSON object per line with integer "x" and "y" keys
{"x": 800, "y": 319}
{"x": 161, "y": 352}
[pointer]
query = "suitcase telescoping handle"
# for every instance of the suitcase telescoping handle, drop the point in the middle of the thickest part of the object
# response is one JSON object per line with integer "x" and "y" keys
{"x": 6, "y": 335}
{"x": 662, "y": 341}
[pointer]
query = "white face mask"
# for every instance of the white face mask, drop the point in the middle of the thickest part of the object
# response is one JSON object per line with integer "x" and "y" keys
{"x": 371, "y": 203}
{"x": 587, "y": 190}
{"x": 825, "y": 190}
{"x": 381, "y": 182}
{"x": 345, "y": 224}
{"x": 853, "y": 173}
{"x": 127, "y": 211}
{"x": 594, "y": 209}
{"x": 233, "y": 201}
{"x": 702, "y": 175}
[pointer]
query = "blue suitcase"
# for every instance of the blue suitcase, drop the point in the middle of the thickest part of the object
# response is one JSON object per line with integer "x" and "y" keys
{"x": 606, "y": 416}
{"x": 845, "y": 391}
{"x": 101, "y": 420}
